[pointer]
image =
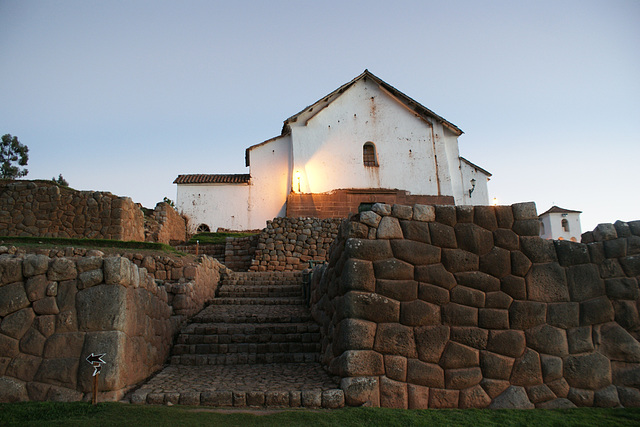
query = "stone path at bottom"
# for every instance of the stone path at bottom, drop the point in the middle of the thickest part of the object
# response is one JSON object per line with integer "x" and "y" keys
{"x": 270, "y": 385}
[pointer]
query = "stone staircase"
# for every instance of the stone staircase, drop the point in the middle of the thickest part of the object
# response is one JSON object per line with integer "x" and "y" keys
{"x": 256, "y": 344}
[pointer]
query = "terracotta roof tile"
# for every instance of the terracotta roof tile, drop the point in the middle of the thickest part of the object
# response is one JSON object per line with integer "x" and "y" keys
{"x": 213, "y": 179}
{"x": 556, "y": 209}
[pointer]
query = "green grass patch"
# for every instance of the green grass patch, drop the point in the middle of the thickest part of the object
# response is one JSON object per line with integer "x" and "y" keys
{"x": 215, "y": 238}
{"x": 95, "y": 243}
{"x": 84, "y": 414}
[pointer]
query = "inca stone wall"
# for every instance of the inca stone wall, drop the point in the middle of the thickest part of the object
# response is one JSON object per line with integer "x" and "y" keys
{"x": 168, "y": 225}
{"x": 55, "y": 311}
{"x": 45, "y": 209}
{"x": 287, "y": 244}
{"x": 465, "y": 307}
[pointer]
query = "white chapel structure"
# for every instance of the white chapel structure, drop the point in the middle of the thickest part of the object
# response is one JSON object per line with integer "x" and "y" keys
{"x": 560, "y": 224}
{"x": 365, "y": 142}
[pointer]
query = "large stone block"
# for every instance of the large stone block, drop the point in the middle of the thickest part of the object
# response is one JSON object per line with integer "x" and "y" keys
{"x": 458, "y": 355}
{"x": 622, "y": 288}
{"x": 35, "y": 264}
{"x": 524, "y": 210}
{"x": 571, "y": 253}
{"x": 435, "y": 274}
{"x": 551, "y": 367}
{"x": 478, "y": 280}
{"x": 597, "y": 310}
{"x": 506, "y": 239}
{"x": 526, "y": 369}
{"x": 579, "y": 340}
{"x": 417, "y": 231}
{"x": 474, "y": 397}
{"x": 419, "y": 313}
{"x": 625, "y": 374}
{"x": 520, "y": 264}
{"x": 498, "y": 299}
{"x": 9, "y": 347}
{"x": 32, "y": 342}
{"x": 24, "y": 367}
{"x": 17, "y": 323}
{"x": 389, "y": 228}
{"x": 102, "y": 308}
{"x": 467, "y": 296}
{"x": 496, "y": 263}
{"x": 62, "y": 269}
{"x": 470, "y": 336}
{"x": 581, "y": 397}
{"x": 354, "y": 334}
{"x": 547, "y": 283}
{"x": 12, "y": 298}
{"x": 496, "y": 366}
{"x": 626, "y": 314}
{"x": 615, "y": 248}
{"x": 393, "y": 269}
{"x": 63, "y": 372}
{"x": 357, "y": 275}
{"x": 473, "y": 238}
{"x": 548, "y": 339}
{"x": 418, "y": 396}
{"x": 527, "y": 314}
{"x": 442, "y": 235}
{"x": 393, "y": 394}
{"x": 584, "y": 282}
{"x": 514, "y": 397}
{"x": 617, "y": 344}
{"x": 538, "y": 250}
{"x": 12, "y": 390}
{"x": 458, "y": 260}
{"x": 458, "y": 379}
{"x": 459, "y": 315}
{"x": 64, "y": 345}
{"x": 395, "y": 367}
{"x": 425, "y": 374}
{"x": 10, "y": 270}
{"x": 401, "y": 290}
{"x": 504, "y": 216}
{"x": 514, "y": 286}
{"x": 440, "y": 398}
{"x": 631, "y": 265}
{"x": 358, "y": 363}
{"x": 540, "y": 393}
{"x": 393, "y": 338}
{"x": 361, "y": 391}
{"x": 424, "y": 213}
{"x": 564, "y": 315}
{"x": 587, "y": 371}
{"x": 485, "y": 217}
{"x": 509, "y": 342}
{"x": 493, "y": 318}
{"x": 370, "y": 218}
{"x": 430, "y": 342}
{"x": 606, "y": 397}
{"x": 433, "y": 294}
{"x": 526, "y": 227}
{"x": 118, "y": 371}
{"x": 416, "y": 253}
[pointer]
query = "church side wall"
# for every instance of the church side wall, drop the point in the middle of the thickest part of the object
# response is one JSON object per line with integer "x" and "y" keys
{"x": 466, "y": 307}
{"x": 216, "y": 205}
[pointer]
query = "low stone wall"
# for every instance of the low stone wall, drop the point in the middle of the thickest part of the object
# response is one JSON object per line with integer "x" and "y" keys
{"x": 466, "y": 307}
{"x": 29, "y": 208}
{"x": 170, "y": 227}
{"x": 239, "y": 252}
{"x": 55, "y": 311}
{"x": 287, "y": 244}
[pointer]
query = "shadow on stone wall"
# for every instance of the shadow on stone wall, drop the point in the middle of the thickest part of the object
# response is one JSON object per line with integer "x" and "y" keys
{"x": 466, "y": 307}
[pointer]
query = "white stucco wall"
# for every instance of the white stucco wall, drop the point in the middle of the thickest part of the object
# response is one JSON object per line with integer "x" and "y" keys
{"x": 216, "y": 205}
{"x": 270, "y": 168}
{"x": 480, "y": 194}
{"x": 552, "y": 226}
{"x": 328, "y": 150}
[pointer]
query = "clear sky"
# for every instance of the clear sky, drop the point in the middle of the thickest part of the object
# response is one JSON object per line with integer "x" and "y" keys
{"x": 123, "y": 96}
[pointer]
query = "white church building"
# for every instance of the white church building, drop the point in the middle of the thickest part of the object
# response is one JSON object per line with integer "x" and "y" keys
{"x": 363, "y": 143}
{"x": 560, "y": 224}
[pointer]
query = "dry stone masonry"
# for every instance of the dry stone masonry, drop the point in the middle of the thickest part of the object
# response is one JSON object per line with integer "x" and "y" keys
{"x": 288, "y": 244}
{"x": 466, "y": 307}
{"x": 54, "y": 311}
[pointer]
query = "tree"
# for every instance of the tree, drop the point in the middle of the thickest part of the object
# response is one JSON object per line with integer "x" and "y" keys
{"x": 12, "y": 151}
{"x": 169, "y": 202}
{"x": 60, "y": 181}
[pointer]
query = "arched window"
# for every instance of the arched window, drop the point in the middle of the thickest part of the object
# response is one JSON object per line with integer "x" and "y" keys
{"x": 369, "y": 157}
{"x": 203, "y": 228}
{"x": 565, "y": 225}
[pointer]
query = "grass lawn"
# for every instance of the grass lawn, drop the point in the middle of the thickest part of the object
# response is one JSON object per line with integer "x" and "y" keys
{"x": 215, "y": 238}
{"x": 84, "y": 414}
{"x": 50, "y": 242}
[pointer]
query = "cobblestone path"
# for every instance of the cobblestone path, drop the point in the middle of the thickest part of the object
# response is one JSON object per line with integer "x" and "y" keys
{"x": 256, "y": 345}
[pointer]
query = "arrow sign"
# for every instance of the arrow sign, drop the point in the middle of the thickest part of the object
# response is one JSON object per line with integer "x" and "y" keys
{"x": 95, "y": 358}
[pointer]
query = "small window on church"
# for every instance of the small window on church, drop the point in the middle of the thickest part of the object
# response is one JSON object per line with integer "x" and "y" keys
{"x": 369, "y": 157}
{"x": 565, "y": 225}
{"x": 203, "y": 228}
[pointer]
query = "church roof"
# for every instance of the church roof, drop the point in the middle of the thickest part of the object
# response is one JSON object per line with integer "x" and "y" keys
{"x": 406, "y": 100}
{"x": 556, "y": 209}
{"x": 213, "y": 179}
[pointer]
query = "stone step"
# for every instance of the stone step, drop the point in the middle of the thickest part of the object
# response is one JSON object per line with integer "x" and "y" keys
{"x": 244, "y": 291}
{"x": 290, "y": 385}
{"x": 260, "y": 329}
{"x": 227, "y": 358}
{"x": 259, "y": 301}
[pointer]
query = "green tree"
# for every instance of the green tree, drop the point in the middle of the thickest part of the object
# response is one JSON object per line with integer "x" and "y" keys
{"x": 60, "y": 181}
{"x": 11, "y": 152}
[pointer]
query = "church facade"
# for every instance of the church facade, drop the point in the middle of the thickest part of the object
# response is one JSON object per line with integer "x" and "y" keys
{"x": 363, "y": 143}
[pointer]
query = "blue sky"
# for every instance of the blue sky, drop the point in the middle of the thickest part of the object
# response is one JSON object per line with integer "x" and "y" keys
{"x": 123, "y": 96}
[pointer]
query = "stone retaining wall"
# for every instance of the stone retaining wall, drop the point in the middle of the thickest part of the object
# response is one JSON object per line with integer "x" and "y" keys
{"x": 29, "y": 208}
{"x": 463, "y": 307}
{"x": 170, "y": 226}
{"x": 239, "y": 252}
{"x": 287, "y": 244}
{"x": 55, "y": 311}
